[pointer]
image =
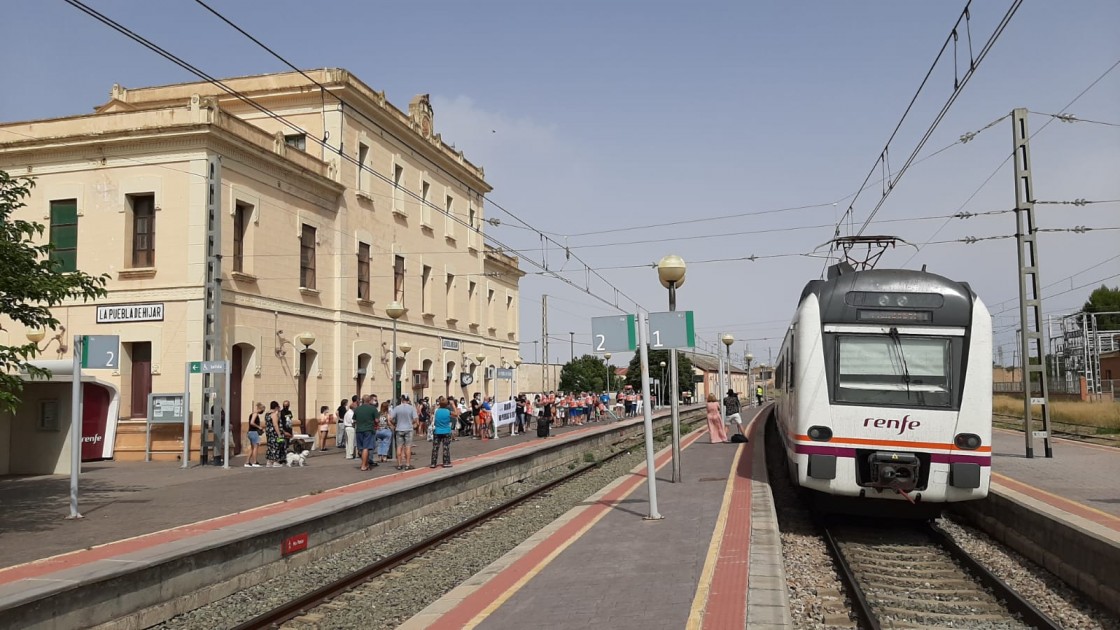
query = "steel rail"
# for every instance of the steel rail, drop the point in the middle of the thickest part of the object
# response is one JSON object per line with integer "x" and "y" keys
{"x": 1010, "y": 598}
{"x": 298, "y": 606}
{"x": 867, "y": 616}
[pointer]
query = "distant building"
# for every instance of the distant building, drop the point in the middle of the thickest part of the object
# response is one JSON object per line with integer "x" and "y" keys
{"x": 313, "y": 250}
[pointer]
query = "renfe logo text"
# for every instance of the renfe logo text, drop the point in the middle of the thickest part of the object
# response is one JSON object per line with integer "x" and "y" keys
{"x": 892, "y": 423}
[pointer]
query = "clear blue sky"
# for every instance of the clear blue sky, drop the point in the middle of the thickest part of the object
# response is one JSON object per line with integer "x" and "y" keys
{"x": 605, "y": 117}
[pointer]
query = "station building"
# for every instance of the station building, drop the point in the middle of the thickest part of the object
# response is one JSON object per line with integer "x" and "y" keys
{"x": 313, "y": 250}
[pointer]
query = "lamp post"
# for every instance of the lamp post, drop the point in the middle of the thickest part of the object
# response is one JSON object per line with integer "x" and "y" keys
{"x": 306, "y": 339}
{"x": 670, "y": 271}
{"x": 572, "y": 345}
{"x": 516, "y": 369}
{"x": 606, "y": 360}
{"x": 405, "y": 348}
{"x": 727, "y": 340}
{"x": 480, "y": 358}
{"x": 750, "y": 390}
{"x": 395, "y": 310}
{"x": 661, "y": 386}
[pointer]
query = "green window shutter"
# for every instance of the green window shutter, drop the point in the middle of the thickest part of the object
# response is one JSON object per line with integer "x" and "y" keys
{"x": 64, "y": 234}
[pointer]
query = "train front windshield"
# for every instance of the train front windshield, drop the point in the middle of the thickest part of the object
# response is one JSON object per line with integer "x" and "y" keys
{"x": 894, "y": 370}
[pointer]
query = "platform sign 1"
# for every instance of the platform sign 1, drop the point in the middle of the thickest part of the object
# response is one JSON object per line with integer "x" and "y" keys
{"x": 101, "y": 352}
{"x": 674, "y": 329}
{"x": 504, "y": 374}
{"x": 616, "y": 333}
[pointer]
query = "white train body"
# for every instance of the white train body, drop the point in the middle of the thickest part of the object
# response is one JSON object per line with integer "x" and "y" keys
{"x": 886, "y": 389}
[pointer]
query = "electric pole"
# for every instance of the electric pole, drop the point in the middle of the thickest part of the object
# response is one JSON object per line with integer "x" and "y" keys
{"x": 1030, "y": 293}
{"x": 544, "y": 340}
{"x": 212, "y": 431}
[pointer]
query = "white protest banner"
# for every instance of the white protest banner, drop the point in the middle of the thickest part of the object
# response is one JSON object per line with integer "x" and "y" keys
{"x": 505, "y": 413}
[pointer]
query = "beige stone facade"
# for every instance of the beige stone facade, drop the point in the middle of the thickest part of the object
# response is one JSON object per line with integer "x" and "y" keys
{"x": 313, "y": 246}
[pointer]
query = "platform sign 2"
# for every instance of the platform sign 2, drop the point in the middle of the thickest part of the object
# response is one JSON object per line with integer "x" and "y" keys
{"x": 674, "y": 329}
{"x": 616, "y": 333}
{"x": 101, "y": 352}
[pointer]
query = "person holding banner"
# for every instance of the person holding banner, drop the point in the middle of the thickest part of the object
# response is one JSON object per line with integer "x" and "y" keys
{"x": 445, "y": 417}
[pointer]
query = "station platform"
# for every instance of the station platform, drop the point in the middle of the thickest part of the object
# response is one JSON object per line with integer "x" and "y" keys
{"x": 1079, "y": 479}
{"x": 124, "y": 500}
{"x": 712, "y": 561}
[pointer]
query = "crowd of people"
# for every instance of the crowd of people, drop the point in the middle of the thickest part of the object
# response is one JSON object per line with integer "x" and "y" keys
{"x": 374, "y": 432}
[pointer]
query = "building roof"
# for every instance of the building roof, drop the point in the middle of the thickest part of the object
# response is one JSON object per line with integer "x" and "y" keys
{"x": 709, "y": 363}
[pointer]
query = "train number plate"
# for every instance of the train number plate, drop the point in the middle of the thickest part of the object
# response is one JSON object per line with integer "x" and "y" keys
{"x": 293, "y": 544}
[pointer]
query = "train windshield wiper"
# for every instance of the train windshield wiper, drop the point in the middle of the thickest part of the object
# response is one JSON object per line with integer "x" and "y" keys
{"x": 893, "y": 334}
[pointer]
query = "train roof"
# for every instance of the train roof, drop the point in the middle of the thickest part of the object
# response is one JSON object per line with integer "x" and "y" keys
{"x": 837, "y": 306}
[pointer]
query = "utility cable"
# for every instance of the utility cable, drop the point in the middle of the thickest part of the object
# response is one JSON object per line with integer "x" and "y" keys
{"x": 944, "y": 109}
{"x": 251, "y": 102}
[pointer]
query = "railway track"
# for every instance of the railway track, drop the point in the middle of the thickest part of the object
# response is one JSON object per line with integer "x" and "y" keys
{"x": 300, "y": 606}
{"x": 914, "y": 575}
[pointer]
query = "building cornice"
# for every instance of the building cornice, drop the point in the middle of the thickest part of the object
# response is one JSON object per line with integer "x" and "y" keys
{"x": 172, "y": 130}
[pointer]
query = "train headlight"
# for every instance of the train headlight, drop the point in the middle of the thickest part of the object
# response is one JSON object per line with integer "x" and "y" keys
{"x": 884, "y": 300}
{"x": 902, "y": 300}
{"x": 820, "y": 434}
{"x": 967, "y": 441}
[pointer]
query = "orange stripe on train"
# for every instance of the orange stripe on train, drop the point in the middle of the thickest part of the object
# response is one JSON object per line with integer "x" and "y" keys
{"x": 892, "y": 443}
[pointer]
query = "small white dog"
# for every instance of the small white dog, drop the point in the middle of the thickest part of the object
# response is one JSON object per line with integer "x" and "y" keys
{"x": 297, "y": 459}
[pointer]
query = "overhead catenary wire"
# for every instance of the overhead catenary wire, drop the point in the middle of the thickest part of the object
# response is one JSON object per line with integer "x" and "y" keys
{"x": 1009, "y": 155}
{"x": 543, "y": 265}
{"x": 958, "y": 88}
{"x": 491, "y": 201}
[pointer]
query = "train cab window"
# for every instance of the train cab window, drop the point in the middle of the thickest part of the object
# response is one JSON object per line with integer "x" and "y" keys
{"x": 893, "y": 370}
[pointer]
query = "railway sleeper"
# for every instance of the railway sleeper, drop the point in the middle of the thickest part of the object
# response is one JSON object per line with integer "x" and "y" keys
{"x": 952, "y": 604}
{"x": 901, "y": 571}
{"x": 962, "y": 589}
{"x": 885, "y": 562}
{"x": 916, "y": 616}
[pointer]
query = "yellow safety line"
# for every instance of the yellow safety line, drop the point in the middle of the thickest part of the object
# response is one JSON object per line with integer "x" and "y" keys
{"x": 531, "y": 573}
{"x": 700, "y": 600}
{"x": 1057, "y": 497}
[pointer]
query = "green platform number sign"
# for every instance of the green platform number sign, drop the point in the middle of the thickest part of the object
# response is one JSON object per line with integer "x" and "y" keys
{"x": 616, "y": 333}
{"x": 674, "y": 329}
{"x": 101, "y": 352}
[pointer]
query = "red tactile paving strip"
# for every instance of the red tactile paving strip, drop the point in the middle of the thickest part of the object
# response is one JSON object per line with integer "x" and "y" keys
{"x": 727, "y": 599}
{"x": 46, "y": 566}
{"x": 479, "y": 600}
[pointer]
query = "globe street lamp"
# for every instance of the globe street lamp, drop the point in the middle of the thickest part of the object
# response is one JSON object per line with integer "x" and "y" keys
{"x": 750, "y": 390}
{"x": 395, "y": 310}
{"x": 670, "y": 271}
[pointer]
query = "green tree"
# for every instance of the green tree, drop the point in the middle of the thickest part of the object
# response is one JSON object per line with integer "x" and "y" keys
{"x": 684, "y": 371}
{"x": 584, "y": 374}
{"x": 1103, "y": 300}
{"x": 30, "y": 285}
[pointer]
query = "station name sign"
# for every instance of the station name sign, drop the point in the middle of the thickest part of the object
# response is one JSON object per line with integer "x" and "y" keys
{"x": 450, "y": 344}
{"x": 130, "y": 313}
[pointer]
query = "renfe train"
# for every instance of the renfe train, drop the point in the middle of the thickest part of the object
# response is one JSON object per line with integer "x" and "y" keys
{"x": 886, "y": 384}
